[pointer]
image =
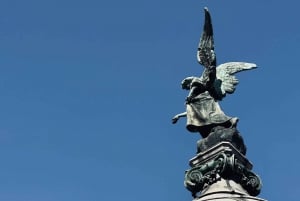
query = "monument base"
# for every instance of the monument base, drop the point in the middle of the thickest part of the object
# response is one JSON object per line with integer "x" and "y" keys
{"x": 225, "y": 190}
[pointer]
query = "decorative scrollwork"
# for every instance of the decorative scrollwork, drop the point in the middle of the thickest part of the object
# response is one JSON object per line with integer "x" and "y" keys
{"x": 252, "y": 183}
{"x": 194, "y": 180}
{"x": 224, "y": 166}
{"x": 200, "y": 176}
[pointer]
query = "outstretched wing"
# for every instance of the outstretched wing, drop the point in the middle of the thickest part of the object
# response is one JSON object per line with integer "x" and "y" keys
{"x": 206, "y": 54}
{"x": 225, "y": 76}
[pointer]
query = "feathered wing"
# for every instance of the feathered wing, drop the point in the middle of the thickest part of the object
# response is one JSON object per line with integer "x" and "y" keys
{"x": 225, "y": 76}
{"x": 225, "y": 81}
{"x": 206, "y": 54}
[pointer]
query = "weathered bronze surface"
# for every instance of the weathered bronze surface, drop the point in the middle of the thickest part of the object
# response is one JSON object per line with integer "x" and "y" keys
{"x": 220, "y": 165}
{"x": 203, "y": 111}
{"x": 221, "y": 161}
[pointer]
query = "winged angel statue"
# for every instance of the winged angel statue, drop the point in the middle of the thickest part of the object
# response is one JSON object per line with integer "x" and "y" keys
{"x": 202, "y": 109}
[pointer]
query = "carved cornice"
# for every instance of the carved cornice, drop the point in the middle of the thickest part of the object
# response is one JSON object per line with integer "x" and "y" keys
{"x": 221, "y": 161}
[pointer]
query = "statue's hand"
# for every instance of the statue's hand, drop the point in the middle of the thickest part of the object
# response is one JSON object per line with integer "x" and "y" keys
{"x": 189, "y": 99}
{"x": 175, "y": 119}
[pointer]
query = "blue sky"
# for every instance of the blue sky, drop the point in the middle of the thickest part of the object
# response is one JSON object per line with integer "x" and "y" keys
{"x": 88, "y": 90}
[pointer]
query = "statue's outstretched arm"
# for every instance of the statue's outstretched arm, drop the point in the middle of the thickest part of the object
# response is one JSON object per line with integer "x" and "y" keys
{"x": 177, "y": 117}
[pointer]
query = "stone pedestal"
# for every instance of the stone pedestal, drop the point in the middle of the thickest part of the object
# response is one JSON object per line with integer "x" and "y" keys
{"x": 222, "y": 172}
{"x": 225, "y": 190}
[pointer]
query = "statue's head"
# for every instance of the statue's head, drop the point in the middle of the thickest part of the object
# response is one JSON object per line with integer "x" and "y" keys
{"x": 186, "y": 83}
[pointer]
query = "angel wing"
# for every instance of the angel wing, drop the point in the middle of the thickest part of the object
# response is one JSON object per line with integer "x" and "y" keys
{"x": 223, "y": 75}
{"x": 226, "y": 81}
{"x": 206, "y": 54}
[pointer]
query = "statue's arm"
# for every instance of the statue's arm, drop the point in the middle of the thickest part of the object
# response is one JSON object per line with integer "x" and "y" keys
{"x": 202, "y": 84}
{"x": 194, "y": 91}
{"x": 177, "y": 117}
{"x": 198, "y": 86}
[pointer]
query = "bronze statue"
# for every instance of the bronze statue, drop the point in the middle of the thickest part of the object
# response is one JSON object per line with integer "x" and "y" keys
{"x": 220, "y": 169}
{"x": 202, "y": 109}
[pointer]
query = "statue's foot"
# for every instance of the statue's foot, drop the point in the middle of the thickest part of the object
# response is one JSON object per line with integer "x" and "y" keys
{"x": 234, "y": 122}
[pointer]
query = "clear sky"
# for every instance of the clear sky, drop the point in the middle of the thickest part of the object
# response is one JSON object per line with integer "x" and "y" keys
{"x": 88, "y": 90}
